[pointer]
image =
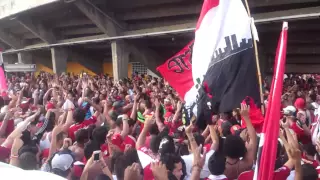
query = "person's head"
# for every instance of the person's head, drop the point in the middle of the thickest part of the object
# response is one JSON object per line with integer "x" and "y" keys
{"x": 224, "y": 129}
{"x": 166, "y": 145}
{"x": 309, "y": 172}
{"x": 217, "y": 164}
{"x": 154, "y": 143}
{"x": 173, "y": 164}
{"x": 234, "y": 147}
{"x": 82, "y": 136}
{"x": 28, "y": 161}
{"x": 79, "y": 115}
{"x": 99, "y": 134}
{"x": 61, "y": 163}
{"x": 309, "y": 150}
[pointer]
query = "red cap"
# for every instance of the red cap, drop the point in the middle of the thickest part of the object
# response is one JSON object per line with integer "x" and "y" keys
{"x": 50, "y": 106}
{"x": 300, "y": 103}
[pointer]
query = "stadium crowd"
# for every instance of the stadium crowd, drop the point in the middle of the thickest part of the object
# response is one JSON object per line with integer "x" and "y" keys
{"x": 94, "y": 128}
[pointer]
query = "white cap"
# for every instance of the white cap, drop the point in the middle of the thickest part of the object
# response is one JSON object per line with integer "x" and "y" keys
{"x": 289, "y": 109}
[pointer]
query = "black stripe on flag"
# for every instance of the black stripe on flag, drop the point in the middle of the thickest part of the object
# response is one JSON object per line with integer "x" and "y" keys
{"x": 231, "y": 76}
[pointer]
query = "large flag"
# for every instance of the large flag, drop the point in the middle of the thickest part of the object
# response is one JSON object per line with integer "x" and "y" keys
{"x": 224, "y": 66}
{"x": 268, "y": 141}
{"x": 177, "y": 71}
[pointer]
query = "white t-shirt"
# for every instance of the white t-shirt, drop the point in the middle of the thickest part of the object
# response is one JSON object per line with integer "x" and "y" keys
{"x": 188, "y": 159}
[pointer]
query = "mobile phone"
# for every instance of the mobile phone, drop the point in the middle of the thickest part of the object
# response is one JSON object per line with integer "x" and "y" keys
{"x": 96, "y": 155}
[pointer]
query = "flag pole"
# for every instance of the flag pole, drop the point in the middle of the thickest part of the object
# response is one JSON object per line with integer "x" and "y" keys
{"x": 257, "y": 60}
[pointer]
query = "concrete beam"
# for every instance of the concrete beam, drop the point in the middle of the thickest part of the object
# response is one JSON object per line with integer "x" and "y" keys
{"x": 11, "y": 40}
{"x": 262, "y": 3}
{"x": 104, "y": 22}
{"x": 166, "y": 10}
{"x": 120, "y": 59}
{"x": 59, "y": 60}
{"x": 38, "y": 29}
{"x": 292, "y": 14}
{"x": 297, "y": 50}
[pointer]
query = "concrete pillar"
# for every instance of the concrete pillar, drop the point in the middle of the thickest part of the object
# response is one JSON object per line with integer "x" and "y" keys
{"x": 120, "y": 59}
{"x": 24, "y": 58}
{"x": 59, "y": 60}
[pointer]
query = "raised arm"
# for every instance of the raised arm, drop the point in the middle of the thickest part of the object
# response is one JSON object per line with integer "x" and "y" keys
{"x": 252, "y": 146}
{"x": 142, "y": 137}
{"x": 157, "y": 115}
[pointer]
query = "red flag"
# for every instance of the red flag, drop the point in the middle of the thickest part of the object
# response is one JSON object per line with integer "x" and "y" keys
{"x": 178, "y": 71}
{"x": 271, "y": 125}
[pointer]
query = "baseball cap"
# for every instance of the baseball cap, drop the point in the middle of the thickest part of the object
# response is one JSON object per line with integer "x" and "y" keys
{"x": 62, "y": 160}
{"x": 289, "y": 110}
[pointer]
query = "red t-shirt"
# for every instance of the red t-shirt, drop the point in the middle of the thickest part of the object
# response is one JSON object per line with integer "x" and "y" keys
{"x": 280, "y": 174}
{"x": 146, "y": 157}
{"x": 75, "y": 127}
{"x": 173, "y": 126}
{"x": 314, "y": 163}
{"x": 300, "y": 134}
{"x": 318, "y": 170}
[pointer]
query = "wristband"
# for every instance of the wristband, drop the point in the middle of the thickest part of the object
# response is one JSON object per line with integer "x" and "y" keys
{"x": 13, "y": 157}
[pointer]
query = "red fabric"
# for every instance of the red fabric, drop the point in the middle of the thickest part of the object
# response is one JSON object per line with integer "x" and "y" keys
{"x": 271, "y": 125}
{"x": 300, "y": 103}
{"x": 255, "y": 115}
{"x": 234, "y": 128}
{"x": 105, "y": 150}
{"x": 50, "y": 106}
{"x": 314, "y": 163}
{"x": 4, "y": 153}
{"x": 10, "y": 127}
{"x": 117, "y": 140}
{"x": 207, "y": 5}
{"x": 75, "y": 127}
{"x": 130, "y": 141}
{"x": 178, "y": 70}
{"x": 280, "y": 174}
{"x": 302, "y": 137}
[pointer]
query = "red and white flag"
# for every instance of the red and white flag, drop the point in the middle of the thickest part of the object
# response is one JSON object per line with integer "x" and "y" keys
{"x": 177, "y": 71}
{"x": 269, "y": 137}
{"x": 224, "y": 68}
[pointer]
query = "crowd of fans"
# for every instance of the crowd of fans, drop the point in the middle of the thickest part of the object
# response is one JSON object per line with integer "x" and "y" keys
{"x": 92, "y": 128}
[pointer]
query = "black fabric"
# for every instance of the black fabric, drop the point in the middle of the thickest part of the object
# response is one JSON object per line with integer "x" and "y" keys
{"x": 229, "y": 80}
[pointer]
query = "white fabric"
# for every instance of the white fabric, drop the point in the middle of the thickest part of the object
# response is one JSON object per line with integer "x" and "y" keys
{"x": 213, "y": 177}
{"x": 228, "y": 18}
{"x": 14, "y": 173}
{"x": 188, "y": 159}
{"x": 68, "y": 105}
{"x": 291, "y": 176}
{"x": 316, "y": 129}
{"x": 144, "y": 158}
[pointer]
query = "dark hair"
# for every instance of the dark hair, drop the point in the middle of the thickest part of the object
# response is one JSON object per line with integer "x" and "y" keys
{"x": 309, "y": 172}
{"x": 61, "y": 173}
{"x": 28, "y": 161}
{"x": 154, "y": 129}
{"x": 114, "y": 157}
{"x": 217, "y": 164}
{"x": 89, "y": 148}
{"x": 79, "y": 115}
{"x": 99, "y": 134}
{"x": 82, "y": 136}
{"x": 309, "y": 149}
{"x": 154, "y": 143}
{"x": 167, "y": 146}
{"x": 120, "y": 166}
{"x": 170, "y": 160}
{"x": 234, "y": 147}
{"x": 119, "y": 121}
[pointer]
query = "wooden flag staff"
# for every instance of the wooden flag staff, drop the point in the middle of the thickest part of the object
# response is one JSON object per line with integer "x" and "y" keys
{"x": 257, "y": 59}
